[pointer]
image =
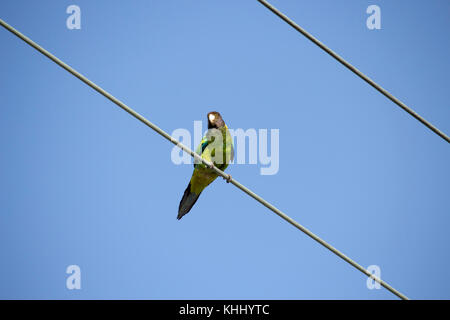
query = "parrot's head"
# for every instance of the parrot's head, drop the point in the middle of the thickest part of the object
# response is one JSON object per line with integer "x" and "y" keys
{"x": 215, "y": 120}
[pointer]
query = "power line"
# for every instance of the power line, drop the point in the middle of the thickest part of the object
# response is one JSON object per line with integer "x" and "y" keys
{"x": 199, "y": 158}
{"x": 354, "y": 70}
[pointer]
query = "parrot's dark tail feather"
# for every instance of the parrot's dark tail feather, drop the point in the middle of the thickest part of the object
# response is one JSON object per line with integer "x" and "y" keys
{"x": 187, "y": 202}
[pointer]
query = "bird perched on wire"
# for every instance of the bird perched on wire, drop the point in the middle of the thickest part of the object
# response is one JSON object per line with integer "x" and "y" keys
{"x": 216, "y": 147}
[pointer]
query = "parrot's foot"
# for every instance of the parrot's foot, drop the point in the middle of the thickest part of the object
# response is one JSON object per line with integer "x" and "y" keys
{"x": 211, "y": 166}
{"x": 228, "y": 179}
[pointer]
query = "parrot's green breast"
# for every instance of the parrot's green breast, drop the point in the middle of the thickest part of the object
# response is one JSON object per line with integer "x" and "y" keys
{"x": 201, "y": 178}
{"x": 220, "y": 155}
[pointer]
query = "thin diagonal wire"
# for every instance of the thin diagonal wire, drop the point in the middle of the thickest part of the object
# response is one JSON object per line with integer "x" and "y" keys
{"x": 199, "y": 158}
{"x": 354, "y": 70}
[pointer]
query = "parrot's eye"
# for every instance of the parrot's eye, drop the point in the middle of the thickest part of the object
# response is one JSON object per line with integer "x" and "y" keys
{"x": 211, "y": 118}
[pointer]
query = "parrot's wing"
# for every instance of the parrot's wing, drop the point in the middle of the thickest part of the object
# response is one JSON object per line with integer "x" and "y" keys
{"x": 200, "y": 149}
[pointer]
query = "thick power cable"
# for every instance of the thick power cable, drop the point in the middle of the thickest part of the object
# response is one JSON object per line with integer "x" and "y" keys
{"x": 354, "y": 70}
{"x": 196, "y": 156}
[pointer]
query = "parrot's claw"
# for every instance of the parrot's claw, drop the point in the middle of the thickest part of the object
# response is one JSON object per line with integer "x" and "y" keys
{"x": 228, "y": 179}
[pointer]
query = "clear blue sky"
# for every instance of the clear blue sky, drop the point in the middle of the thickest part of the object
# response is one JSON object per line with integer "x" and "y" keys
{"x": 84, "y": 183}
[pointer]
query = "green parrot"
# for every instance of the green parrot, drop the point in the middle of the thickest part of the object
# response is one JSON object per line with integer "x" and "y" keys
{"x": 216, "y": 147}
